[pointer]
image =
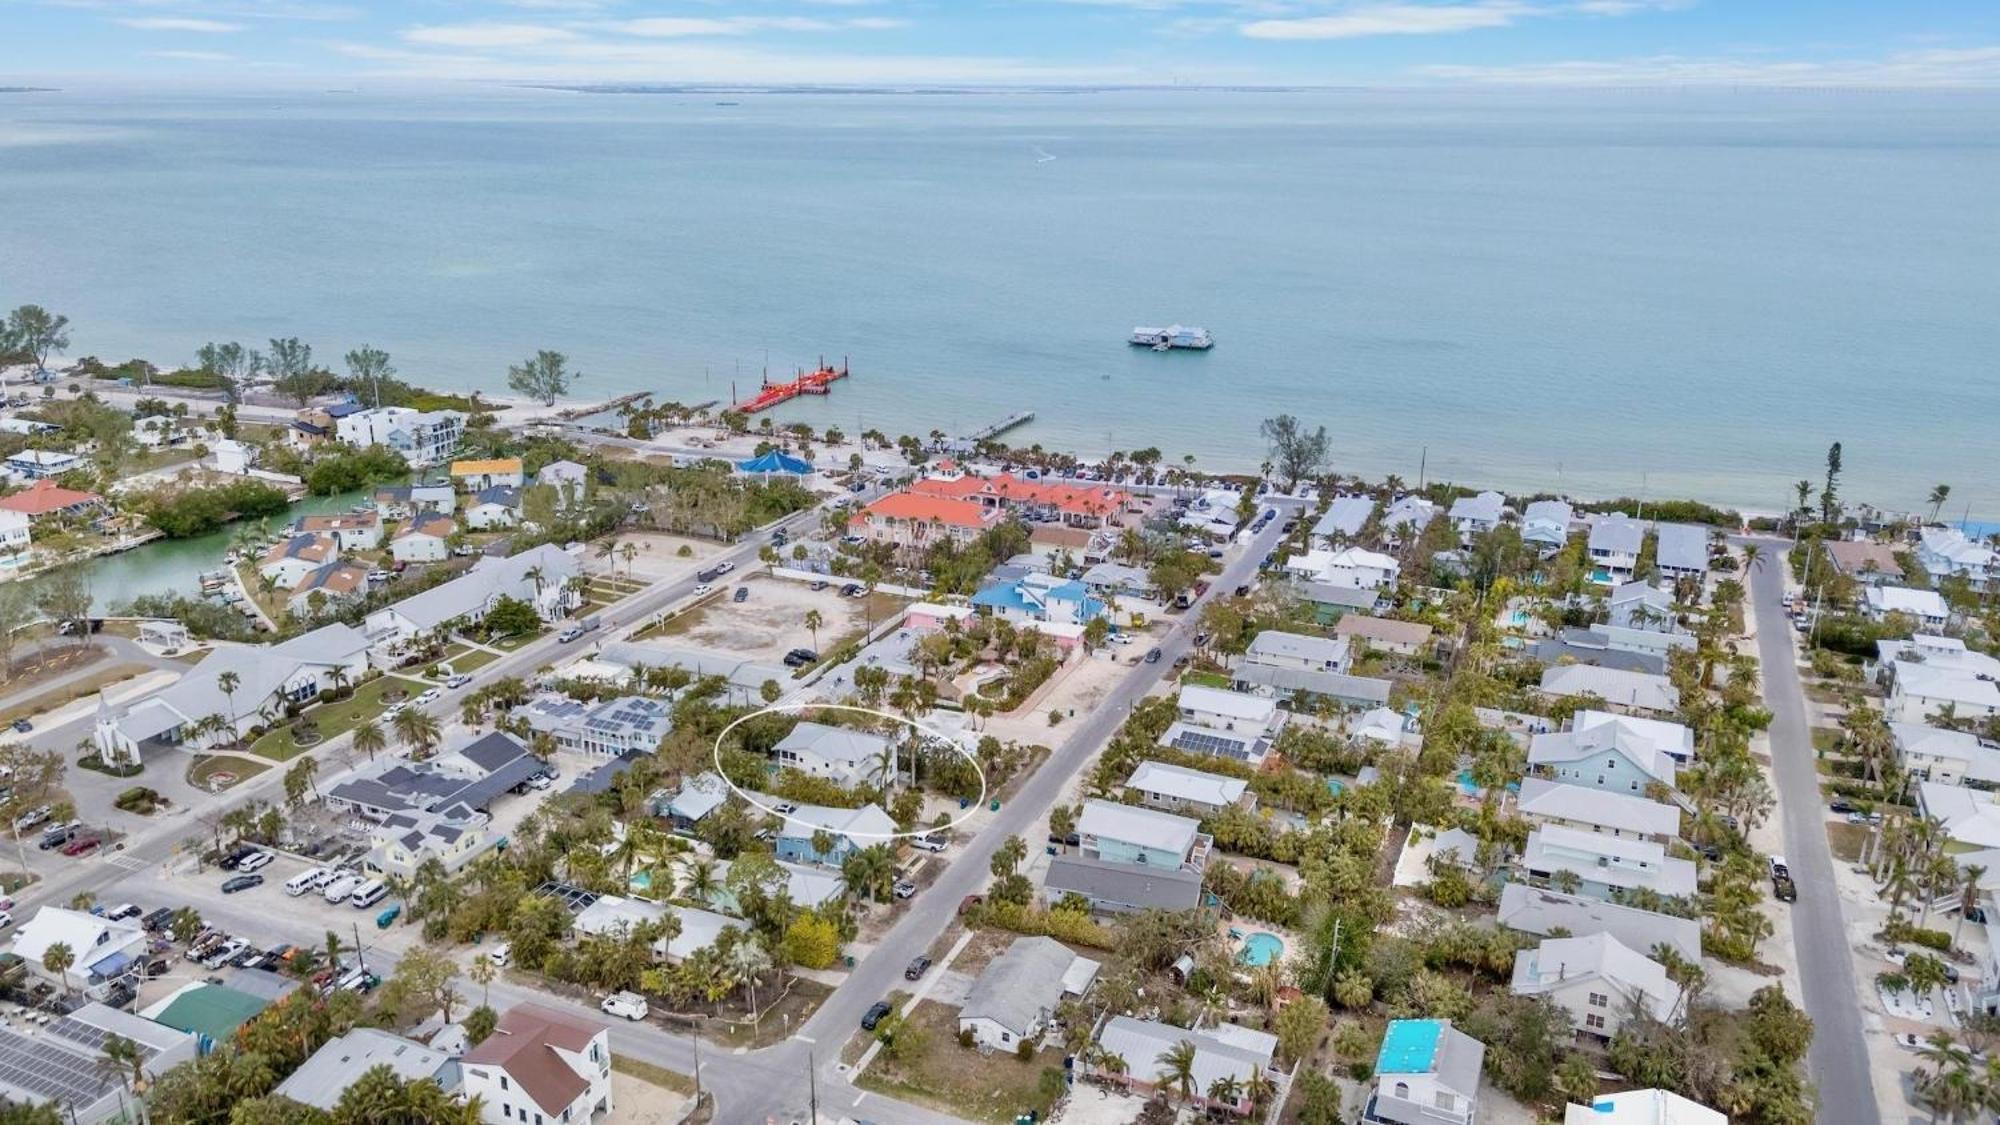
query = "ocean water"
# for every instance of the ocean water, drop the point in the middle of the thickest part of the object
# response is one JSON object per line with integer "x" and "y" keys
{"x": 1606, "y": 293}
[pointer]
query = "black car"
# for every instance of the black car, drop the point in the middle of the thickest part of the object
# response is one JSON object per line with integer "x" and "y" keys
{"x": 1784, "y": 889}
{"x": 917, "y": 968}
{"x": 1841, "y": 805}
{"x": 1243, "y": 591}
{"x": 237, "y": 856}
{"x": 1153, "y": 657}
{"x": 852, "y": 590}
{"x": 157, "y": 920}
{"x": 742, "y": 593}
{"x": 23, "y": 725}
{"x": 875, "y": 1014}
{"x": 56, "y": 837}
{"x": 800, "y": 657}
{"x": 241, "y": 883}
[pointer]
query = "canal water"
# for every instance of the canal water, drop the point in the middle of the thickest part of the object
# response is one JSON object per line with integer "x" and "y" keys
{"x": 174, "y": 566}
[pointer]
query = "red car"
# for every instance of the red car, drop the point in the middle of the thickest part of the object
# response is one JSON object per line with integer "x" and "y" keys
{"x": 82, "y": 845}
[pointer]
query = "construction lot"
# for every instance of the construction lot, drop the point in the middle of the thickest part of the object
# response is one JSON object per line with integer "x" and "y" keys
{"x": 771, "y": 621}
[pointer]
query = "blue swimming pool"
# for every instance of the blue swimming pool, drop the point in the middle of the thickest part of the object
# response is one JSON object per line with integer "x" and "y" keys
{"x": 1261, "y": 949}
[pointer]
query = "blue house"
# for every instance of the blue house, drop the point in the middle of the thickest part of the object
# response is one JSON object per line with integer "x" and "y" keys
{"x": 852, "y": 829}
{"x": 1039, "y": 597}
{"x": 1616, "y": 757}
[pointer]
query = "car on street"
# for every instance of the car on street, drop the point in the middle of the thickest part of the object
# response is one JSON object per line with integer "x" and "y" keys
{"x": 876, "y": 1013}
{"x": 724, "y": 567}
{"x": 742, "y": 594}
{"x": 241, "y": 883}
{"x": 391, "y": 711}
{"x": 568, "y": 635}
{"x": 123, "y": 911}
{"x": 917, "y": 968}
{"x": 817, "y": 586}
{"x": 703, "y": 588}
{"x": 629, "y": 1005}
{"x": 904, "y": 888}
{"x": 459, "y": 680}
{"x": 428, "y": 695}
{"x": 6, "y": 919}
{"x": 23, "y": 725}
{"x": 1153, "y": 657}
{"x": 1841, "y": 805}
{"x": 499, "y": 954}
{"x": 800, "y": 657}
{"x": 784, "y": 808}
{"x": 934, "y": 842}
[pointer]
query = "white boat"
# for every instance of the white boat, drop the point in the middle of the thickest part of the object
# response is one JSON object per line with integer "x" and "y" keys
{"x": 1171, "y": 337}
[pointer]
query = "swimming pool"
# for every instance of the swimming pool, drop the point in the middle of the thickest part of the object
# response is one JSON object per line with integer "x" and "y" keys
{"x": 641, "y": 881}
{"x": 1261, "y": 949}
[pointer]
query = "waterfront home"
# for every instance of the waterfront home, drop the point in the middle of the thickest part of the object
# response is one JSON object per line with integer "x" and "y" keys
{"x": 1426, "y": 1073}
{"x": 16, "y": 539}
{"x": 1591, "y": 809}
{"x": 1598, "y": 981}
{"x": 1298, "y": 650}
{"x": 46, "y": 498}
{"x": 1405, "y": 638}
{"x": 1945, "y": 551}
{"x": 1040, "y": 501}
{"x": 845, "y": 756}
{"x": 72, "y": 1075}
{"x": 1407, "y": 517}
{"x": 1681, "y": 551}
{"x": 1641, "y": 607}
{"x": 354, "y": 531}
{"x": 1925, "y": 607}
{"x": 327, "y": 587}
{"x": 1129, "y": 858}
{"x": 1016, "y": 995}
{"x": 1227, "y": 724}
{"x": 542, "y": 576}
{"x": 913, "y": 521}
{"x": 1354, "y": 568}
{"x": 1181, "y": 790}
{"x": 605, "y": 728}
{"x": 340, "y": 1062}
{"x": 314, "y": 425}
{"x": 1603, "y": 865}
{"x": 1612, "y": 757}
{"x": 1642, "y": 1107}
{"x": 101, "y": 950}
{"x": 852, "y": 830}
{"x": 403, "y": 501}
{"x": 423, "y": 437}
{"x": 543, "y": 1062}
{"x": 1545, "y": 525}
{"x": 493, "y": 472}
{"x": 1542, "y": 912}
{"x": 1476, "y": 515}
{"x": 1627, "y": 691}
{"x": 266, "y": 679}
{"x": 496, "y": 507}
{"x": 404, "y": 841}
{"x": 153, "y": 431}
{"x": 231, "y": 458}
{"x": 570, "y": 481}
{"x": 1344, "y": 520}
{"x": 1614, "y": 545}
{"x": 1039, "y": 598}
{"x": 425, "y": 538}
{"x": 41, "y": 464}
{"x": 291, "y": 560}
{"x": 1864, "y": 560}
{"x": 1948, "y": 757}
{"x": 1224, "y": 1051}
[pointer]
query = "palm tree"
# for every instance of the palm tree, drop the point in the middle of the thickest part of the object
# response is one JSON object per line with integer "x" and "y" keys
{"x": 1177, "y": 1069}
{"x": 1753, "y": 558}
{"x": 702, "y": 880}
{"x": 1968, "y": 895}
{"x": 482, "y": 973}
{"x": 417, "y": 730}
{"x": 628, "y": 552}
{"x": 57, "y": 959}
{"x": 339, "y": 678}
{"x": 1939, "y": 494}
{"x": 1260, "y": 1087}
{"x": 1226, "y": 1090}
{"x": 368, "y": 739}
{"x": 1947, "y": 1086}
{"x": 1008, "y": 856}
{"x": 813, "y": 622}
{"x": 228, "y": 682}
{"x": 123, "y": 1062}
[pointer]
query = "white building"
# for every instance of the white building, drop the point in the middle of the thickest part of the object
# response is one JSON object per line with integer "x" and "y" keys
{"x": 1016, "y": 995}
{"x": 1182, "y": 790}
{"x": 101, "y": 950}
{"x": 1604, "y": 865}
{"x": 1225, "y": 1051}
{"x": 1946, "y": 551}
{"x": 1615, "y": 542}
{"x": 426, "y": 538}
{"x": 293, "y": 560}
{"x": 1543, "y": 912}
{"x": 423, "y": 437}
{"x": 1617, "y": 688}
{"x": 1298, "y": 650}
{"x": 543, "y": 577}
{"x": 353, "y": 531}
{"x": 1948, "y": 757}
{"x": 16, "y": 539}
{"x": 1352, "y": 568}
{"x": 1681, "y": 551}
{"x": 1642, "y": 1107}
{"x": 1925, "y": 606}
{"x": 541, "y": 1064}
{"x": 1597, "y": 980}
{"x": 1227, "y": 724}
{"x": 1546, "y": 525}
{"x": 607, "y": 728}
{"x": 1475, "y": 515}
{"x": 1596, "y": 810}
{"x": 847, "y": 757}
{"x": 1426, "y": 1073}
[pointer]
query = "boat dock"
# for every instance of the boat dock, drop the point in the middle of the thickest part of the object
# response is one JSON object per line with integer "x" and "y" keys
{"x": 818, "y": 382}
{"x": 1011, "y": 421}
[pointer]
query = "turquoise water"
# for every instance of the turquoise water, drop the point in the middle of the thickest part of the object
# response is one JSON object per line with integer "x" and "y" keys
{"x": 1260, "y": 949}
{"x": 1674, "y": 292}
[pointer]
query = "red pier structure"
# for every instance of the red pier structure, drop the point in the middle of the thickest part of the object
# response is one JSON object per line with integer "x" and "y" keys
{"x": 808, "y": 383}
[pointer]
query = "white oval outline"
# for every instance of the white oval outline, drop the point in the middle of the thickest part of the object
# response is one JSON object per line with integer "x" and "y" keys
{"x": 715, "y": 754}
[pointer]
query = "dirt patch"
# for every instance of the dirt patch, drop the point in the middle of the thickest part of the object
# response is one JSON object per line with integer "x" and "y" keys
{"x": 771, "y": 621}
{"x": 658, "y": 555}
{"x": 72, "y": 691}
{"x": 991, "y": 1087}
{"x": 1846, "y": 840}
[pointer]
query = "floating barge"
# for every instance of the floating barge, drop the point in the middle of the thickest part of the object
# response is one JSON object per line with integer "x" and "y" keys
{"x": 1171, "y": 337}
{"x": 808, "y": 383}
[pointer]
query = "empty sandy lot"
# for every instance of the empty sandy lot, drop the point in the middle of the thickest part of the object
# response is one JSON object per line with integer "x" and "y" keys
{"x": 772, "y": 620}
{"x": 658, "y": 556}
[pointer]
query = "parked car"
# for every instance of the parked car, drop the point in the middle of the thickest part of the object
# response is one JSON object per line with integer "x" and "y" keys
{"x": 853, "y": 590}
{"x": 255, "y": 861}
{"x": 459, "y": 680}
{"x": 540, "y": 782}
{"x": 934, "y": 842}
{"x": 568, "y": 635}
{"x": 703, "y": 589}
{"x": 59, "y": 835}
{"x": 82, "y": 845}
{"x": 1783, "y": 889}
{"x": 123, "y": 911}
{"x": 23, "y": 725}
{"x": 157, "y": 921}
{"x": 904, "y": 888}
{"x": 630, "y": 1005}
{"x": 877, "y": 1012}
{"x": 1153, "y": 657}
{"x": 6, "y": 919}
{"x": 241, "y": 883}
{"x": 428, "y": 695}
{"x": 1841, "y": 805}
{"x": 500, "y": 954}
{"x": 817, "y": 586}
{"x": 917, "y": 968}
{"x": 31, "y": 818}
{"x": 800, "y": 657}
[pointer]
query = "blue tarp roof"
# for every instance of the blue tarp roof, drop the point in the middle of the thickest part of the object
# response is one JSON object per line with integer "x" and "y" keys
{"x": 776, "y": 462}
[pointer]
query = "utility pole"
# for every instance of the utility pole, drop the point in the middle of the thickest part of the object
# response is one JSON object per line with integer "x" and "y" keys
{"x": 360, "y": 958}
{"x": 812, "y": 1083}
{"x": 697, "y": 1066}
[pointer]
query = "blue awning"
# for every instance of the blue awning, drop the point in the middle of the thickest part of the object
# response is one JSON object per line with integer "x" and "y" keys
{"x": 775, "y": 462}
{"x": 113, "y": 965}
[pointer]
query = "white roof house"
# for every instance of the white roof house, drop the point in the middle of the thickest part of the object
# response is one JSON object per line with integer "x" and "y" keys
{"x": 1951, "y": 757}
{"x": 1641, "y": 691}
{"x": 1551, "y": 802}
{"x": 1108, "y": 821}
{"x": 1927, "y": 606}
{"x": 536, "y": 576}
{"x": 1225, "y": 708}
{"x": 1672, "y": 739}
{"x": 1968, "y": 816}
{"x": 699, "y": 930}
{"x": 1228, "y": 1051}
{"x": 1919, "y": 690}
{"x": 1546, "y": 523}
{"x": 1170, "y": 785}
{"x": 1345, "y": 517}
{"x": 847, "y": 756}
{"x": 1409, "y": 516}
{"x": 322, "y": 1079}
{"x": 1298, "y": 650}
{"x": 1607, "y": 863}
{"x": 1536, "y": 910}
{"x": 100, "y": 949}
{"x": 1682, "y": 551}
{"x": 614, "y": 914}
{"x": 1471, "y": 514}
{"x": 1014, "y": 997}
{"x": 1596, "y": 979}
{"x": 1947, "y": 551}
{"x": 1642, "y": 1107}
{"x": 1224, "y": 723}
{"x": 1354, "y": 568}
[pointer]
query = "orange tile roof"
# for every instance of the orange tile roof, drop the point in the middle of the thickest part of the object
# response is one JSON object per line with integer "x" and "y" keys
{"x": 45, "y": 496}
{"x": 1070, "y": 498}
{"x": 932, "y": 509}
{"x": 495, "y": 465}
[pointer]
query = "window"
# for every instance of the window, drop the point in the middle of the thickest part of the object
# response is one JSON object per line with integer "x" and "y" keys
{"x": 1594, "y": 1022}
{"x": 506, "y": 1111}
{"x": 503, "y": 1082}
{"x": 1599, "y": 1000}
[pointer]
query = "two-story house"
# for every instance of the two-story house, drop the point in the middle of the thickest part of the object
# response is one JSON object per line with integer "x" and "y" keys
{"x": 911, "y": 521}
{"x": 426, "y": 538}
{"x": 477, "y": 476}
{"x": 845, "y": 756}
{"x": 291, "y": 560}
{"x": 1038, "y": 597}
{"x": 604, "y": 727}
{"x": 1227, "y": 724}
{"x": 1600, "y": 866}
{"x": 1591, "y": 809}
{"x": 1598, "y": 981}
{"x": 1426, "y": 1073}
{"x": 1129, "y": 858}
{"x": 1611, "y": 757}
{"x": 1350, "y": 568}
{"x": 1946, "y": 551}
{"x": 1925, "y": 607}
{"x": 1614, "y": 545}
{"x": 541, "y": 1066}
{"x": 1948, "y": 757}
{"x": 353, "y": 531}
{"x": 1680, "y": 551}
{"x": 851, "y": 829}
{"x": 1545, "y": 525}
{"x": 1476, "y": 515}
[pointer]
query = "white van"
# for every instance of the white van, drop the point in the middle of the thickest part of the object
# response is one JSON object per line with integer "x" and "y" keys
{"x": 370, "y": 893}
{"x": 306, "y": 881}
{"x": 631, "y": 1005}
{"x": 340, "y": 887}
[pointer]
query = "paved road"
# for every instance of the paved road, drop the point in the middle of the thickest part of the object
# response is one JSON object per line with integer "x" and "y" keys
{"x": 1838, "y": 1062}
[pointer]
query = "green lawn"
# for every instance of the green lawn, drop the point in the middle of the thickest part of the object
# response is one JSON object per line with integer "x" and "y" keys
{"x": 206, "y": 765}
{"x": 473, "y": 658}
{"x": 335, "y": 719}
{"x": 1206, "y": 679}
{"x": 511, "y": 643}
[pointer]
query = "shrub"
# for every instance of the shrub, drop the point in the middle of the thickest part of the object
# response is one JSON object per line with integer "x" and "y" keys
{"x": 965, "y": 1037}
{"x": 1025, "y": 1050}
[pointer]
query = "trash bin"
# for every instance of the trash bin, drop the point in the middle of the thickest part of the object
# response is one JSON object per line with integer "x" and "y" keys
{"x": 996, "y": 804}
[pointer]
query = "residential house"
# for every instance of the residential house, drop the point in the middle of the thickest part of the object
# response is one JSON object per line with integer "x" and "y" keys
{"x": 1948, "y": 757}
{"x": 606, "y": 728}
{"x": 291, "y": 561}
{"x": 1405, "y": 638}
{"x": 1672, "y": 739}
{"x": 1476, "y": 515}
{"x": 697, "y": 797}
{"x": 1407, "y": 517}
{"x": 542, "y": 577}
{"x": 328, "y": 587}
{"x": 493, "y": 472}
{"x": 405, "y": 841}
{"x": 571, "y": 482}
{"x": 1385, "y": 726}
{"x": 616, "y": 915}
{"x": 1611, "y": 757}
{"x": 1642, "y": 1107}
{"x": 1614, "y": 545}
{"x": 403, "y": 501}
{"x": 745, "y": 678}
{"x": 541, "y": 1064}
{"x": 1681, "y": 551}
{"x": 699, "y": 930}
{"x": 1182, "y": 790}
{"x": 912, "y": 520}
{"x": 1225, "y": 1051}
{"x": 1330, "y": 603}
{"x": 1925, "y": 607}
{"x": 852, "y": 830}
{"x": 62, "y": 1064}
{"x": 1947, "y": 552}
{"x": 1545, "y": 525}
{"x": 1970, "y": 818}
{"x": 425, "y": 538}
{"x": 355, "y": 531}
{"x": 1286, "y": 666}
{"x": 1227, "y": 724}
{"x": 46, "y": 498}
{"x": 1353, "y": 568}
{"x": 1039, "y": 597}
{"x": 1962, "y": 687}
{"x": 1298, "y": 650}
{"x": 1629, "y": 691}
{"x": 1426, "y": 1073}
{"x": 1055, "y": 543}
{"x": 492, "y": 508}
{"x": 1864, "y": 560}
{"x": 1078, "y": 505}
{"x": 1536, "y": 910}
{"x": 41, "y": 464}
{"x": 17, "y": 539}
{"x": 1605, "y": 865}
{"x": 341, "y": 1061}
{"x": 1108, "y": 580}
{"x": 1344, "y": 519}
{"x": 101, "y": 950}
{"x": 1015, "y": 996}
{"x": 808, "y": 887}
{"x": 1591, "y": 809}
{"x": 848, "y": 757}
{"x": 1129, "y": 858}
{"x": 423, "y": 437}
{"x": 155, "y": 431}
{"x": 1598, "y": 980}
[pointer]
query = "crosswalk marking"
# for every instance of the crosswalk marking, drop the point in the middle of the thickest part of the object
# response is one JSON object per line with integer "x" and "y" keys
{"x": 126, "y": 861}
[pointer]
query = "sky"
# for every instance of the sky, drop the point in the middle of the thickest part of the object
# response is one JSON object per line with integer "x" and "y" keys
{"x": 1794, "y": 43}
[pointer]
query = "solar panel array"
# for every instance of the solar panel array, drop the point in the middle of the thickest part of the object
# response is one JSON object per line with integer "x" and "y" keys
{"x": 89, "y": 1036}
{"x": 48, "y": 1071}
{"x": 1203, "y": 743}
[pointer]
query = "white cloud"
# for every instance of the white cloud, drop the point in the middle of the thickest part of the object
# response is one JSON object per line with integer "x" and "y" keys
{"x": 177, "y": 23}
{"x": 693, "y": 27}
{"x": 1973, "y": 66}
{"x": 1392, "y": 19}
{"x": 481, "y": 36}
{"x": 192, "y": 56}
